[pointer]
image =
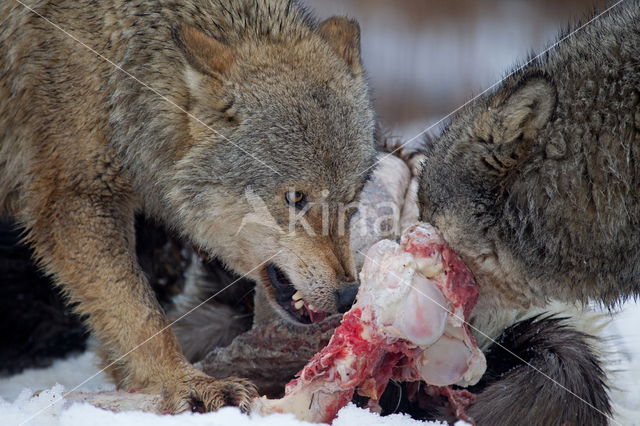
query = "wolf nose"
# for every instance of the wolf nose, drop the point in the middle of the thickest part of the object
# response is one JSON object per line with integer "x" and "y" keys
{"x": 345, "y": 297}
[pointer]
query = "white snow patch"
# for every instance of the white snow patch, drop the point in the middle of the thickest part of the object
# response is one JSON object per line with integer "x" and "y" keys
{"x": 352, "y": 415}
{"x": 48, "y": 409}
{"x": 625, "y": 365}
{"x": 68, "y": 372}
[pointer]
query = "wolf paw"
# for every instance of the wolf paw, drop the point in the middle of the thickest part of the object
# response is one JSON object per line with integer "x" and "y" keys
{"x": 203, "y": 394}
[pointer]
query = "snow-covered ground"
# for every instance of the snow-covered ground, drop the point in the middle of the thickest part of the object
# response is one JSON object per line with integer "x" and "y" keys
{"x": 19, "y": 406}
{"x": 22, "y": 411}
{"x": 48, "y": 408}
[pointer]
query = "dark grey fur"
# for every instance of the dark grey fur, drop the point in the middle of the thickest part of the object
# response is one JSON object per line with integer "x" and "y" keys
{"x": 537, "y": 185}
{"x": 514, "y": 393}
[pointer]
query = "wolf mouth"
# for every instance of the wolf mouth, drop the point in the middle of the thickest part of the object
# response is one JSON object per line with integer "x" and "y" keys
{"x": 290, "y": 299}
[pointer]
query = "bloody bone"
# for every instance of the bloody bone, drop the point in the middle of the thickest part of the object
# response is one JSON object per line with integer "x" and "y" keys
{"x": 408, "y": 324}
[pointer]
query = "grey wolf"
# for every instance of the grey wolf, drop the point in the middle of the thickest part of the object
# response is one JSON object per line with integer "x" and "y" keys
{"x": 239, "y": 94}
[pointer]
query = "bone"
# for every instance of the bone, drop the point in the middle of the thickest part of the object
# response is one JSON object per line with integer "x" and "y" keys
{"x": 423, "y": 315}
{"x": 387, "y": 206}
{"x": 401, "y": 327}
{"x": 445, "y": 362}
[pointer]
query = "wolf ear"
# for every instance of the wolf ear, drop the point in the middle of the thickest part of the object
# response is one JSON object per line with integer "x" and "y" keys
{"x": 343, "y": 35}
{"x": 528, "y": 108}
{"x": 512, "y": 124}
{"x": 204, "y": 53}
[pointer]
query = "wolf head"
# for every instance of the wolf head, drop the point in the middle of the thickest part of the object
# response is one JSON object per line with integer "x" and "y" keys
{"x": 473, "y": 186}
{"x": 285, "y": 128}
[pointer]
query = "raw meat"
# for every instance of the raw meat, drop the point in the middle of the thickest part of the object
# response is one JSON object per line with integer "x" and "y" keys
{"x": 408, "y": 324}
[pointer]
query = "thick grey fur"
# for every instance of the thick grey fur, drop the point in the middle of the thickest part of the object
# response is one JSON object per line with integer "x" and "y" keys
{"x": 537, "y": 184}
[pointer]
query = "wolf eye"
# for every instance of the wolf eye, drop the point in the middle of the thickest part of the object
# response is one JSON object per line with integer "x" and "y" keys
{"x": 295, "y": 199}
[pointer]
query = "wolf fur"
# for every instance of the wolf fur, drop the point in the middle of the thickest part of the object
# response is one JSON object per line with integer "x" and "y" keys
{"x": 207, "y": 314}
{"x": 543, "y": 371}
{"x": 537, "y": 184}
{"x": 280, "y": 101}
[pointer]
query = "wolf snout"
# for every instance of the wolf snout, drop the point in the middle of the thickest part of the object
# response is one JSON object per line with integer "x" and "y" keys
{"x": 345, "y": 297}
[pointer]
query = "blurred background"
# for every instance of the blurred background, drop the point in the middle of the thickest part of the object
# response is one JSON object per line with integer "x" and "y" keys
{"x": 427, "y": 57}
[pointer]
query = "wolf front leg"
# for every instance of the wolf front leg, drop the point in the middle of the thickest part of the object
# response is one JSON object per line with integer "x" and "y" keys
{"x": 88, "y": 243}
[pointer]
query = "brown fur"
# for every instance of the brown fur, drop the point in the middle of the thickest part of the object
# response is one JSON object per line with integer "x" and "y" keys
{"x": 280, "y": 102}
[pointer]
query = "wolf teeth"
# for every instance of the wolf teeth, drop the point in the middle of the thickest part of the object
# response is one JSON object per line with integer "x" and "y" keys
{"x": 299, "y": 304}
{"x": 297, "y": 296}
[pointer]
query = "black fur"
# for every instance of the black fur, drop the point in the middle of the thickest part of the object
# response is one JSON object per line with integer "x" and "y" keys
{"x": 513, "y": 393}
{"x": 35, "y": 325}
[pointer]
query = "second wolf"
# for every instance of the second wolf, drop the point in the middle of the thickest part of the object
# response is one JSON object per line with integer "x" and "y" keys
{"x": 537, "y": 185}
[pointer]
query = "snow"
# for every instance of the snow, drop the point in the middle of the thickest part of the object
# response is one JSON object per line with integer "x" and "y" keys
{"x": 625, "y": 364}
{"x": 19, "y": 405}
{"x": 47, "y": 409}
{"x": 69, "y": 372}
{"x": 22, "y": 404}
{"x": 42, "y": 410}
